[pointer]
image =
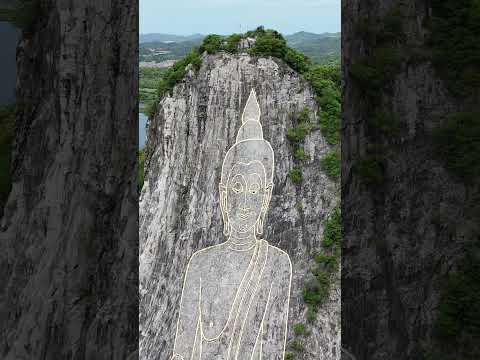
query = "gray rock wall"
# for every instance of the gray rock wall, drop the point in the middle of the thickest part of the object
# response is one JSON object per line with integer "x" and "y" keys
{"x": 403, "y": 236}
{"x": 69, "y": 259}
{"x": 179, "y": 203}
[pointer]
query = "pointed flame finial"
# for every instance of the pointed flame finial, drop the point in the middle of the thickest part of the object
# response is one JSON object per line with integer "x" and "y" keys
{"x": 252, "y": 109}
{"x": 251, "y": 128}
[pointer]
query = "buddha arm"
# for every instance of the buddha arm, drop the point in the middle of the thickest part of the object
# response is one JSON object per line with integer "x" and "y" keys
{"x": 276, "y": 316}
{"x": 189, "y": 314}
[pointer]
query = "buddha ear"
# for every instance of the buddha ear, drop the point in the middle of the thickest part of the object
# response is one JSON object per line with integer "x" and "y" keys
{"x": 267, "y": 197}
{"x": 222, "y": 189}
{"x": 263, "y": 214}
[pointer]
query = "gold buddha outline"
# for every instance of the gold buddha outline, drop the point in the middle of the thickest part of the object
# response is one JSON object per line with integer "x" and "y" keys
{"x": 251, "y": 130}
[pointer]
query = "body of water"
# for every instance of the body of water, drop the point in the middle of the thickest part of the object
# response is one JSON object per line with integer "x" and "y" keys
{"x": 142, "y": 124}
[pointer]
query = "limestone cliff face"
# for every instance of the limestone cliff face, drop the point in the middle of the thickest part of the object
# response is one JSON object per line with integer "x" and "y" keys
{"x": 179, "y": 204}
{"x": 401, "y": 237}
{"x": 69, "y": 231}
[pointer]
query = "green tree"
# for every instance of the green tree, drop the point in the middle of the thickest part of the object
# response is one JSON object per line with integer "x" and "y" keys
{"x": 211, "y": 44}
{"x": 269, "y": 43}
{"x": 297, "y": 60}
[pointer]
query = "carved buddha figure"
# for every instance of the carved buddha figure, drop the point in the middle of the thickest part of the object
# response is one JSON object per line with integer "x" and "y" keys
{"x": 235, "y": 295}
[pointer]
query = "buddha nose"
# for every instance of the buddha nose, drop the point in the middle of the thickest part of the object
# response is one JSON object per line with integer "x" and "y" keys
{"x": 244, "y": 208}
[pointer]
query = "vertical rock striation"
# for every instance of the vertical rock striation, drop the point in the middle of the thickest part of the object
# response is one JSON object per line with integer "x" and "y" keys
{"x": 403, "y": 235}
{"x": 69, "y": 259}
{"x": 179, "y": 203}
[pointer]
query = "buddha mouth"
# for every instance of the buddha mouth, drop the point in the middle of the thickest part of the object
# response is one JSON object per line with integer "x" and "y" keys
{"x": 244, "y": 216}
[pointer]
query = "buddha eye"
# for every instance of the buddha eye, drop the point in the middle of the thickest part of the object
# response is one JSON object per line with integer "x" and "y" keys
{"x": 254, "y": 188}
{"x": 237, "y": 187}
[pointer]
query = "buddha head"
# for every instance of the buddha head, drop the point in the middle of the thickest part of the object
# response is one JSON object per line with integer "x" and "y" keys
{"x": 247, "y": 176}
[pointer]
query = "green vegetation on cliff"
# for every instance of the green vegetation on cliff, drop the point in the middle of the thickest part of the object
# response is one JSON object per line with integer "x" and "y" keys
{"x": 320, "y": 48}
{"x": 173, "y": 76}
{"x": 316, "y": 289}
{"x": 458, "y": 145}
{"x": 457, "y": 327}
{"x": 325, "y": 82}
{"x": 324, "y": 79}
{"x": 454, "y": 40}
{"x": 331, "y": 164}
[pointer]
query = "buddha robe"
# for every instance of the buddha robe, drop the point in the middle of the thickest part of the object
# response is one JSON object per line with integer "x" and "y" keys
{"x": 257, "y": 319}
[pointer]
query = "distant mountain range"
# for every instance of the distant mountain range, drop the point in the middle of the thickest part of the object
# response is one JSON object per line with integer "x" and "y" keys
{"x": 158, "y": 37}
{"x": 160, "y": 47}
{"x": 303, "y": 36}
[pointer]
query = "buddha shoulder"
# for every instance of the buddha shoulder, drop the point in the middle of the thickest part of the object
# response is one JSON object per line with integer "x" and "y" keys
{"x": 279, "y": 257}
{"x": 205, "y": 255}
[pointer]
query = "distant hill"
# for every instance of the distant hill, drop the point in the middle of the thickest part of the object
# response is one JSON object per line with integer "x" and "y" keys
{"x": 303, "y": 36}
{"x": 320, "y": 48}
{"x": 158, "y": 51}
{"x": 169, "y": 38}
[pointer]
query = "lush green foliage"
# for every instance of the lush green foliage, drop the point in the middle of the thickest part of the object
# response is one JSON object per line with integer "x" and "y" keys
{"x": 211, "y": 44}
{"x": 331, "y": 164}
{"x": 232, "y": 42}
{"x": 141, "y": 165}
{"x": 332, "y": 233}
{"x": 269, "y": 43}
{"x": 297, "y": 60}
{"x": 372, "y": 73}
{"x": 458, "y": 144}
{"x": 23, "y": 15}
{"x": 325, "y": 81}
{"x": 311, "y": 313}
{"x": 319, "y": 48}
{"x": 317, "y": 290}
{"x": 297, "y": 346}
{"x": 174, "y": 75}
{"x": 289, "y": 356}
{"x": 298, "y": 133}
{"x": 300, "y": 329}
{"x": 329, "y": 263}
{"x": 300, "y": 154}
{"x": 457, "y": 328}
{"x": 370, "y": 169}
{"x": 7, "y": 127}
{"x": 455, "y": 34}
{"x": 385, "y": 121}
{"x": 295, "y": 175}
{"x": 384, "y": 40}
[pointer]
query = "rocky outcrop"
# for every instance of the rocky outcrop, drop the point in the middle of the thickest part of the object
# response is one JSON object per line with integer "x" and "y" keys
{"x": 69, "y": 256}
{"x": 179, "y": 203}
{"x": 405, "y": 234}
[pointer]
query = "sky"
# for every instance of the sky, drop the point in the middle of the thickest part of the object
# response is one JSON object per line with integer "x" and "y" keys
{"x": 185, "y": 17}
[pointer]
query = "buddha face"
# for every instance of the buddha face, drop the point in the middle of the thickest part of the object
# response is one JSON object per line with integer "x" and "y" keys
{"x": 245, "y": 196}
